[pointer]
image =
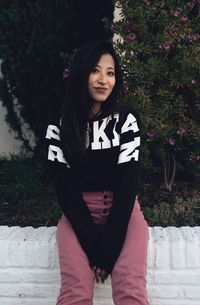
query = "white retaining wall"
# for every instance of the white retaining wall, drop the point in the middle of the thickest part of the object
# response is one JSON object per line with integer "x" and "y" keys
{"x": 8, "y": 144}
{"x": 29, "y": 271}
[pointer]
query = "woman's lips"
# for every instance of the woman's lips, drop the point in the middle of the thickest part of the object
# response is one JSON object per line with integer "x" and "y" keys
{"x": 100, "y": 90}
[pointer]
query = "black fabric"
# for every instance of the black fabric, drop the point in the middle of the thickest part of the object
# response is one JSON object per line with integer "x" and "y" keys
{"x": 111, "y": 163}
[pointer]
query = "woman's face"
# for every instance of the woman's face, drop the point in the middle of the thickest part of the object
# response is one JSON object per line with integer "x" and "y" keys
{"x": 102, "y": 79}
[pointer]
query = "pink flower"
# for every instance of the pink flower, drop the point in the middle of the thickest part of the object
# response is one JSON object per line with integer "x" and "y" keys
{"x": 181, "y": 132}
{"x": 171, "y": 141}
{"x": 190, "y": 5}
{"x": 114, "y": 28}
{"x": 165, "y": 46}
{"x": 128, "y": 25}
{"x": 132, "y": 36}
{"x": 66, "y": 73}
{"x": 148, "y": 2}
{"x": 177, "y": 12}
{"x": 192, "y": 159}
{"x": 184, "y": 19}
{"x": 193, "y": 37}
{"x": 194, "y": 82}
{"x": 152, "y": 134}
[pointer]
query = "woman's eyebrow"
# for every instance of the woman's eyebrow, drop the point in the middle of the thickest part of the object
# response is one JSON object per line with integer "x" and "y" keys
{"x": 107, "y": 68}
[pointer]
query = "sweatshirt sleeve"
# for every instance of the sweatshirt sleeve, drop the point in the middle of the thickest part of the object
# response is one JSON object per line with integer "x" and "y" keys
{"x": 124, "y": 194}
{"x": 69, "y": 195}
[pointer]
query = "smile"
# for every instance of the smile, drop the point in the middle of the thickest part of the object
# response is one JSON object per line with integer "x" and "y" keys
{"x": 101, "y": 90}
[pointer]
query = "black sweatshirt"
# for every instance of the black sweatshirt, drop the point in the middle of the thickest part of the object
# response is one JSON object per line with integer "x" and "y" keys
{"x": 111, "y": 163}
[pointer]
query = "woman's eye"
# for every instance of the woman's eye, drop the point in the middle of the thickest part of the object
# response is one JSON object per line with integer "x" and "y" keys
{"x": 111, "y": 73}
{"x": 95, "y": 70}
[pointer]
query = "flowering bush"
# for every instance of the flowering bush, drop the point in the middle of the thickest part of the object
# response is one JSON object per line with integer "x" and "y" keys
{"x": 159, "y": 46}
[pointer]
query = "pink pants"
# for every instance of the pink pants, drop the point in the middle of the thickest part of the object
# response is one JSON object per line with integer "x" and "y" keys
{"x": 128, "y": 277}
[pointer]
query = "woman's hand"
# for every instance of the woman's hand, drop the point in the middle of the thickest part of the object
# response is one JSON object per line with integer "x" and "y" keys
{"x": 100, "y": 275}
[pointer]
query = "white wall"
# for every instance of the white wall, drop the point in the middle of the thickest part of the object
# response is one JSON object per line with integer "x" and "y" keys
{"x": 8, "y": 144}
{"x": 29, "y": 270}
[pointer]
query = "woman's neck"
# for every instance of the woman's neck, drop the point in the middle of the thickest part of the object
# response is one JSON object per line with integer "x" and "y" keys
{"x": 95, "y": 110}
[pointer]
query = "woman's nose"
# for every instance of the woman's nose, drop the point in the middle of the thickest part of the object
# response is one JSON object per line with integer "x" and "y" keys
{"x": 102, "y": 78}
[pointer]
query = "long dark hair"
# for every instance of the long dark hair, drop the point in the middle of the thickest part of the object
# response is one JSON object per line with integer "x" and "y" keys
{"x": 78, "y": 102}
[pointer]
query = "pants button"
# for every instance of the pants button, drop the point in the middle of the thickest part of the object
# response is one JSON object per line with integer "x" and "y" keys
{"x": 105, "y": 211}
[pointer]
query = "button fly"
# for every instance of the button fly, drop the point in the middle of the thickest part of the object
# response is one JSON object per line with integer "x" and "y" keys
{"x": 107, "y": 203}
{"x": 105, "y": 211}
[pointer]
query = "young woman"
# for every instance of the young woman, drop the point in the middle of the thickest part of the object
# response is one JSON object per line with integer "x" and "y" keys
{"x": 93, "y": 156}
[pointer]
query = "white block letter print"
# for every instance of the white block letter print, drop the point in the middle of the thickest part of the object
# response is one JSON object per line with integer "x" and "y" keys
{"x": 55, "y": 153}
{"x": 53, "y": 132}
{"x": 130, "y": 124}
{"x": 129, "y": 151}
{"x": 100, "y": 133}
{"x": 115, "y": 141}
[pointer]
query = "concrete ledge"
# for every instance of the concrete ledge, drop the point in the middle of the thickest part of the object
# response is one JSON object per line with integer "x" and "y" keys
{"x": 29, "y": 270}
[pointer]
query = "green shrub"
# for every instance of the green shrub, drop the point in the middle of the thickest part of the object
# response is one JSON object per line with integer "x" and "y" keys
{"x": 37, "y": 40}
{"x": 159, "y": 43}
{"x": 180, "y": 212}
{"x": 27, "y": 195}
